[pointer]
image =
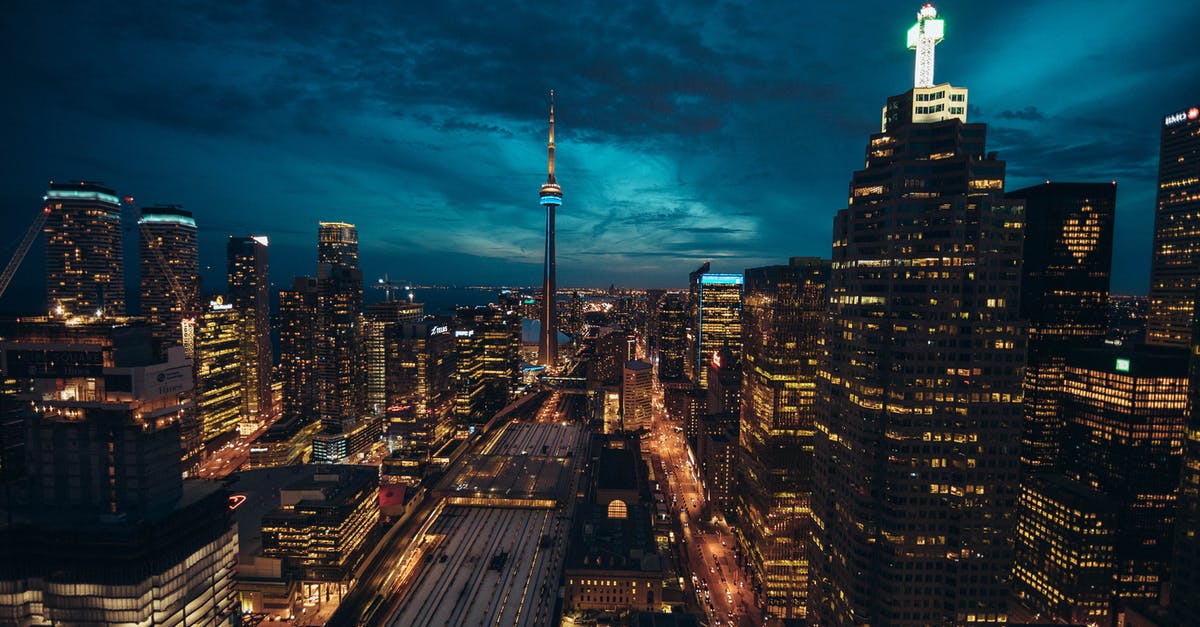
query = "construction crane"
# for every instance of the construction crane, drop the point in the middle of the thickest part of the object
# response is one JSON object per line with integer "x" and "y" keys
{"x": 388, "y": 285}
{"x": 181, "y": 300}
{"x": 22, "y": 249}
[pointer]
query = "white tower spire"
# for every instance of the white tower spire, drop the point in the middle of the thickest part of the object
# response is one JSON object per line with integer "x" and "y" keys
{"x": 922, "y": 37}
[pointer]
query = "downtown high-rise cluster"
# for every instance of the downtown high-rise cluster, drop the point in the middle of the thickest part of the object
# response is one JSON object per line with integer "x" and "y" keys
{"x": 939, "y": 424}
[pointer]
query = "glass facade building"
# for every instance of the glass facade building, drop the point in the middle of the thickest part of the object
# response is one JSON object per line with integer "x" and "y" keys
{"x": 782, "y": 316}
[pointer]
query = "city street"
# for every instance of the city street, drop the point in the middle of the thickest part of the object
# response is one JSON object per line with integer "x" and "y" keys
{"x": 720, "y": 586}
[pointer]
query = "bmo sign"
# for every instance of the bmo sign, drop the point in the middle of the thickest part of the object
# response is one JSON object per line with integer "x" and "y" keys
{"x": 1176, "y": 118}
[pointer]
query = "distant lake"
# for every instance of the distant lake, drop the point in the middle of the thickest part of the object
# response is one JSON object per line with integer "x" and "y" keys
{"x": 445, "y": 300}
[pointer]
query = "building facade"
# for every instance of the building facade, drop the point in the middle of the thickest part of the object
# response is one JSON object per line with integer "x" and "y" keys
{"x": 918, "y": 420}
{"x": 85, "y": 271}
{"x": 1175, "y": 264}
{"x": 298, "y": 351}
{"x": 249, "y": 293}
{"x": 170, "y": 269}
{"x": 719, "y": 319}
{"x": 1066, "y": 265}
{"x": 220, "y": 372}
{"x": 637, "y": 387}
{"x": 107, "y": 515}
{"x": 781, "y": 319}
{"x": 341, "y": 384}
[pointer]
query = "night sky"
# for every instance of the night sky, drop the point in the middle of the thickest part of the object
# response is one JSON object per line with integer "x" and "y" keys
{"x": 686, "y": 131}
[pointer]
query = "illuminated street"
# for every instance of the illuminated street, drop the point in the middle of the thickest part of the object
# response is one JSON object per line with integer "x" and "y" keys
{"x": 720, "y": 586}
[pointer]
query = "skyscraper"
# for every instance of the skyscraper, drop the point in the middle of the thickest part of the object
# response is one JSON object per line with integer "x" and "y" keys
{"x": 84, "y": 265}
{"x": 637, "y": 410}
{"x": 1185, "y": 557}
{"x": 781, "y": 319}
{"x": 719, "y": 320}
{"x": 1124, "y": 415}
{"x": 249, "y": 293}
{"x": 551, "y": 198}
{"x": 918, "y": 418}
{"x": 1175, "y": 264}
{"x": 170, "y": 270}
{"x": 298, "y": 350}
{"x": 341, "y": 383}
{"x": 1097, "y": 530}
{"x": 1064, "y": 295}
{"x": 220, "y": 372}
{"x": 672, "y": 338}
{"x": 693, "y": 325}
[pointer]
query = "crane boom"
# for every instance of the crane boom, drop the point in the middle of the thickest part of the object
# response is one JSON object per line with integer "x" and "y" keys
{"x": 11, "y": 269}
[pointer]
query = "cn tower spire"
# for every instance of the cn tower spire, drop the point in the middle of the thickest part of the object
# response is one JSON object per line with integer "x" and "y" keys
{"x": 550, "y": 146}
{"x": 551, "y": 198}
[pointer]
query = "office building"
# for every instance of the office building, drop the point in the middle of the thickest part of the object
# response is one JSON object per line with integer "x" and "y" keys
{"x": 637, "y": 387}
{"x": 1184, "y": 594}
{"x": 672, "y": 338}
{"x": 85, "y": 272}
{"x": 488, "y": 369}
{"x": 781, "y": 317}
{"x": 611, "y": 348}
{"x": 420, "y": 361}
{"x": 219, "y": 373}
{"x": 1175, "y": 264}
{"x": 1123, "y": 433}
{"x": 106, "y": 514}
{"x": 381, "y": 317}
{"x": 550, "y": 198}
{"x": 298, "y": 342}
{"x": 249, "y": 293}
{"x": 693, "y": 328}
{"x": 323, "y": 522}
{"x": 1064, "y": 297}
{"x": 341, "y": 383}
{"x": 170, "y": 273}
{"x": 918, "y": 418}
{"x": 719, "y": 320}
{"x": 1063, "y": 562}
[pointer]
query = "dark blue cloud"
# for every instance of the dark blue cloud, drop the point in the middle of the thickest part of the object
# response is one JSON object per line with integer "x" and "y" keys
{"x": 710, "y": 130}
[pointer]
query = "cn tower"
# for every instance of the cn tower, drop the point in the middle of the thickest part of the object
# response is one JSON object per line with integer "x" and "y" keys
{"x": 551, "y": 197}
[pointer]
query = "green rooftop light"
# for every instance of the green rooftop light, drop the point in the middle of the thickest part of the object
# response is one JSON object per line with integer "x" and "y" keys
{"x": 1122, "y": 365}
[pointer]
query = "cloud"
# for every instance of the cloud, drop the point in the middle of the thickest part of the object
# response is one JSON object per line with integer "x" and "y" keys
{"x": 1029, "y": 113}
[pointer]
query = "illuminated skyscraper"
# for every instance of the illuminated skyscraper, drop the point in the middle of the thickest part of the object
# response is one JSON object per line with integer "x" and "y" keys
{"x": 693, "y": 325}
{"x": 1185, "y": 558}
{"x": 719, "y": 319}
{"x": 420, "y": 391}
{"x": 298, "y": 350}
{"x": 340, "y": 380}
{"x": 84, "y": 265}
{"x": 220, "y": 372}
{"x": 551, "y": 198}
{"x": 781, "y": 318}
{"x": 1175, "y": 265}
{"x": 672, "y": 338}
{"x": 170, "y": 269}
{"x": 1064, "y": 296}
{"x": 488, "y": 348}
{"x": 1063, "y": 562}
{"x": 249, "y": 293}
{"x": 637, "y": 383}
{"x": 918, "y": 416}
{"x": 1124, "y": 427}
{"x": 1097, "y": 530}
